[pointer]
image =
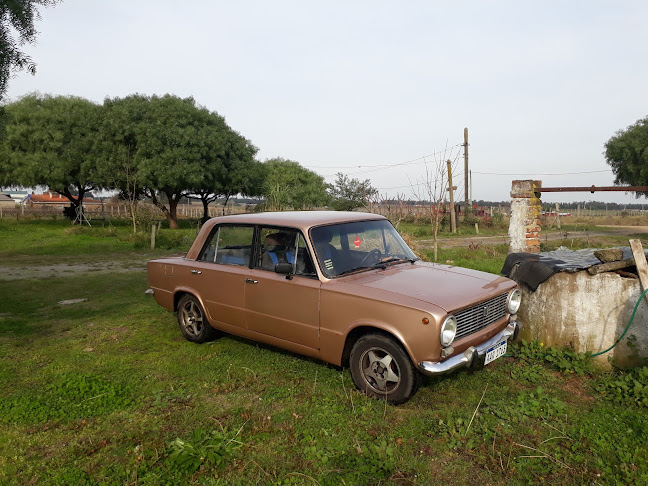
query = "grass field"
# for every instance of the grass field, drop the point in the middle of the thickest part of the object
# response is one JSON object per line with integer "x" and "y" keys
{"x": 107, "y": 391}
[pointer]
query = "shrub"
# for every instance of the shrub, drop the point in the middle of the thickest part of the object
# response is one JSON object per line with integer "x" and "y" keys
{"x": 146, "y": 215}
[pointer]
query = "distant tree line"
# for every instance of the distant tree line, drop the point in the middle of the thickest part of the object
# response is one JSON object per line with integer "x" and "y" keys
{"x": 164, "y": 148}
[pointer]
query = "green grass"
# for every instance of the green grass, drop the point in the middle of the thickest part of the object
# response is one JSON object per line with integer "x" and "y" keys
{"x": 34, "y": 241}
{"x": 108, "y": 392}
{"x": 487, "y": 258}
{"x": 422, "y": 230}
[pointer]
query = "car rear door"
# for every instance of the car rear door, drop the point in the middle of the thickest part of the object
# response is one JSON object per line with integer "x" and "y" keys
{"x": 219, "y": 274}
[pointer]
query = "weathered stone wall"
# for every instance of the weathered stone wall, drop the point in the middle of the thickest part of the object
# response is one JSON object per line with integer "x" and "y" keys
{"x": 588, "y": 313}
{"x": 524, "y": 226}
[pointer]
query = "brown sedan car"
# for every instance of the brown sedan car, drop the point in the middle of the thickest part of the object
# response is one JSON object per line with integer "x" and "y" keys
{"x": 341, "y": 287}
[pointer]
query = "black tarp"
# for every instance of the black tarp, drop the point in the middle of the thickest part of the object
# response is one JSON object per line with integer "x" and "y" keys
{"x": 532, "y": 269}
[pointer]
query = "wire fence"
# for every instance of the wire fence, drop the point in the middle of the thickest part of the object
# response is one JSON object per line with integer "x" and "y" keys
{"x": 396, "y": 210}
{"x": 114, "y": 211}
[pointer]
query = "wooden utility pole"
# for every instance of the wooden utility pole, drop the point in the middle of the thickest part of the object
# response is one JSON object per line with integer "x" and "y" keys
{"x": 468, "y": 201}
{"x": 453, "y": 220}
{"x": 470, "y": 198}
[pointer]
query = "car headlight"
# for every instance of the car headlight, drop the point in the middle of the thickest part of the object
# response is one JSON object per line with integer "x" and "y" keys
{"x": 514, "y": 300}
{"x": 448, "y": 330}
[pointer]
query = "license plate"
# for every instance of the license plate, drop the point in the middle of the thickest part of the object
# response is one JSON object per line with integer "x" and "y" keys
{"x": 495, "y": 352}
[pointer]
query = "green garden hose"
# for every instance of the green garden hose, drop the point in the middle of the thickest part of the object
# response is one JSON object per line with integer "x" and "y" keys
{"x": 627, "y": 327}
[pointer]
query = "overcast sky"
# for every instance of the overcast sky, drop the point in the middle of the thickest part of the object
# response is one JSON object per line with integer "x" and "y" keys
{"x": 541, "y": 85}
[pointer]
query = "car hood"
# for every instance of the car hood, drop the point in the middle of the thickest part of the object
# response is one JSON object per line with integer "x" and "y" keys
{"x": 451, "y": 288}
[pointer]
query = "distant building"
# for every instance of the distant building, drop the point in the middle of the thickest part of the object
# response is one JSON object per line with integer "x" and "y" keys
{"x": 54, "y": 200}
{"x": 6, "y": 202}
{"x": 17, "y": 196}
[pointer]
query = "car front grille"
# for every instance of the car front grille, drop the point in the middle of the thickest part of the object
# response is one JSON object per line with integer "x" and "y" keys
{"x": 479, "y": 316}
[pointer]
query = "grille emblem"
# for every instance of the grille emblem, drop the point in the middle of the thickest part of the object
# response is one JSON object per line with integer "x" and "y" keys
{"x": 486, "y": 311}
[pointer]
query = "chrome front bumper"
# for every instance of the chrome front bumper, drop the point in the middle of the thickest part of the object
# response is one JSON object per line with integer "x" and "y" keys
{"x": 471, "y": 356}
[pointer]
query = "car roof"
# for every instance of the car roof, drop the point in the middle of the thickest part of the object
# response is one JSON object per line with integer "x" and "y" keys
{"x": 296, "y": 219}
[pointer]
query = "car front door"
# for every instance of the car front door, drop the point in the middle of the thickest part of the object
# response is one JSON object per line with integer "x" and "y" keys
{"x": 277, "y": 305}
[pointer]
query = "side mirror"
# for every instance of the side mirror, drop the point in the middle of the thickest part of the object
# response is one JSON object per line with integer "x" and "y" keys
{"x": 284, "y": 268}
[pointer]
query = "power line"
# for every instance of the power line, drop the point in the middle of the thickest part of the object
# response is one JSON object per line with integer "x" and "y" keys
{"x": 377, "y": 167}
{"x": 538, "y": 174}
{"x": 401, "y": 187}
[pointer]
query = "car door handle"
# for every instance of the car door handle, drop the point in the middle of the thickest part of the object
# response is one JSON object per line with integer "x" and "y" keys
{"x": 249, "y": 280}
{"x": 197, "y": 272}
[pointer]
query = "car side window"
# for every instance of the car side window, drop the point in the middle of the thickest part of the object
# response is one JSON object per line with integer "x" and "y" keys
{"x": 229, "y": 245}
{"x": 284, "y": 246}
{"x": 277, "y": 246}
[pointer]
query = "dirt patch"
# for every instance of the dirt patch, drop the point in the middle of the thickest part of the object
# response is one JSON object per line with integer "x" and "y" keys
{"x": 544, "y": 236}
{"x": 576, "y": 388}
{"x": 68, "y": 270}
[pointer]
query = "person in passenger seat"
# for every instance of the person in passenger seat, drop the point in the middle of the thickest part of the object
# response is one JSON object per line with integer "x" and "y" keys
{"x": 277, "y": 249}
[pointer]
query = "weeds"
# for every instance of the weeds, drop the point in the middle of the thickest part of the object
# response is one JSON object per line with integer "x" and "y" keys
{"x": 629, "y": 388}
{"x": 204, "y": 450}
{"x": 563, "y": 360}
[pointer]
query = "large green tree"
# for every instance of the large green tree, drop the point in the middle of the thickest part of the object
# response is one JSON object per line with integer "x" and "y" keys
{"x": 17, "y": 29}
{"x": 50, "y": 141}
{"x": 627, "y": 153}
{"x": 350, "y": 193}
{"x": 289, "y": 185}
{"x": 229, "y": 171}
{"x": 166, "y": 146}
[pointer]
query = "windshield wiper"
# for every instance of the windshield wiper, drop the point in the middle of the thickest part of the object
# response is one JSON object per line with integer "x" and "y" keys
{"x": 398, "y": 259}
{"x": 380, "y": 265}
{"x": 390, "y": 259}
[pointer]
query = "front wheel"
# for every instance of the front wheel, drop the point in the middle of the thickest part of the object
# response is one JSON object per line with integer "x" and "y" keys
{"x": 381, "y": 368}
{"x": 192, "y": 321}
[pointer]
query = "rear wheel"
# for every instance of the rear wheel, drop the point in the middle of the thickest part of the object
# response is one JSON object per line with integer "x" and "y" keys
{"x": 192, "y": 321}
{"x": 381, "y": 368}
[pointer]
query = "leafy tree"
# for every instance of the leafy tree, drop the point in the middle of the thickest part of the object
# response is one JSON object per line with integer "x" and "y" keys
{"x": 168, "y": 145}
{"x": 17, "y": 16}
{"x": 289, "y": 185}
{"x": 627, "y": 153}
{"x": 349, "y": 193}
{"x": 50, "y": 141}
{"x": 230, "y": 171}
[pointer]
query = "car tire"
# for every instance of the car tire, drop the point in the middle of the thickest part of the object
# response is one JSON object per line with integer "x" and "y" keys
{"x": 381, "y": 368}
{"x": 193, "y": 322}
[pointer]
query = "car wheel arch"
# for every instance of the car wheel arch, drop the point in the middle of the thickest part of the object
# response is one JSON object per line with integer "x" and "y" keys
{"x": 362, "y": 330}
{"x": 180, "y": 293}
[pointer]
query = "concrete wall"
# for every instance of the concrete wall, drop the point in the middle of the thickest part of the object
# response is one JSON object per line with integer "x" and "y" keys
{"x": 588, "y": 313}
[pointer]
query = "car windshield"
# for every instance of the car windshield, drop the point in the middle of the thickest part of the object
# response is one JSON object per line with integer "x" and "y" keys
{"x": 349, "y": 247}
